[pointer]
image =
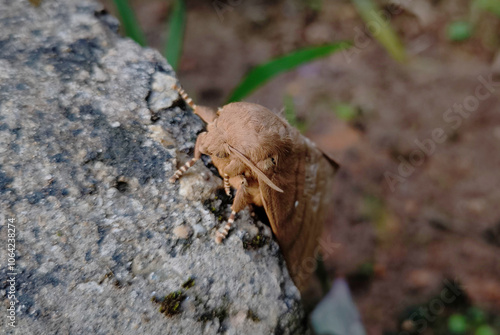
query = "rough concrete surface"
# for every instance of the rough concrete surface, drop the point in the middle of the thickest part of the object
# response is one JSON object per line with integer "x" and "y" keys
{"x": 89, "y": 134}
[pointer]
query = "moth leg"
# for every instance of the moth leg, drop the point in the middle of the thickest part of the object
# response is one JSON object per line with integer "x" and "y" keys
{"x": 227, "y": 186}
{"x": 232, "y": 169}
{"x": 221, "y": 234}
{"x": 239, "y": 203}
{"x": 197, "y": 155}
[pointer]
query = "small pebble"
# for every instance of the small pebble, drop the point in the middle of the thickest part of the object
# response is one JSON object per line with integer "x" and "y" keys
{"x": 182, "y": 231}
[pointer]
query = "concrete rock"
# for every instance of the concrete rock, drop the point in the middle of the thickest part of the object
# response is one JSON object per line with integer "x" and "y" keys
{"x": 89, "y": 136}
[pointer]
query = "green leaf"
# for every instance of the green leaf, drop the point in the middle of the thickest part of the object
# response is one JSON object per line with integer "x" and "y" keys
{"x": 291, "y": 116}
{"x": 459, "y": 31}
{"x": 385, "y": 35}
{"x": 492, "y": 6}
{"x": 457, "y": 324}
{"x": 476, "y": 315}
{"x": 265, "y": 72}
{"x": 345, "y": 111}
{"x": 175, "y": 37}
{"x": 315, "y": 5}
{"x": 129, "y": 22}
{"x": 290, "y": 110}
{"x": 485, "y": 330}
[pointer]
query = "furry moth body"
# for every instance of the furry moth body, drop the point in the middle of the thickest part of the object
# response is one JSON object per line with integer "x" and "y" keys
{"x": 271, "y": 165}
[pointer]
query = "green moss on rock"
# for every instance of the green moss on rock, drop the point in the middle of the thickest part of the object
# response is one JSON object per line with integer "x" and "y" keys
{"x": 188, "y": 283}
{"x": 258, "y": 241}
{"x": 171, "y": 304}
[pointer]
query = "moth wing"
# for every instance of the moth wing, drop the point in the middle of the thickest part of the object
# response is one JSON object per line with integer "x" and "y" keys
{"x": 297, "y": 215}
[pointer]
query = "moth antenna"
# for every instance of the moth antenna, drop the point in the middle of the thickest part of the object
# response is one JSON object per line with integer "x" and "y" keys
{"x": 221, "y": 234}
{"x": 205, "y": 113}
{"x": 185, "y": 96}
{"x": 255, "y": 169}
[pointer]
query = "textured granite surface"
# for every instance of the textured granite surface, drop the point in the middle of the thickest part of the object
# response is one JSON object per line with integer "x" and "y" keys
{"x": 90, "y": 132}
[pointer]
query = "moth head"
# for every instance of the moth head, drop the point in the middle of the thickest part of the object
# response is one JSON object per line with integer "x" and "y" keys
{"x": 269, "y": 163}
{"x": 261, "y": 175}
{"x": 216, "y": 141}
{"x": 256, "y": 131}
{"x": 222, "y": 152}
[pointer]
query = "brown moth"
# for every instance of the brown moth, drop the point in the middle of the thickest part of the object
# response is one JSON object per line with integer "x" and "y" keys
{"x": 270, "y": 164}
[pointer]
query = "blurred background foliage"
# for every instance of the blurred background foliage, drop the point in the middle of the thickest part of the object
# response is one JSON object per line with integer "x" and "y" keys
{"x": 370, "y": 81}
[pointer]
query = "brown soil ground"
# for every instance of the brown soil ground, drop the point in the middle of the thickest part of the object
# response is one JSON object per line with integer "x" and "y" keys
{"x": 439, "y": 219}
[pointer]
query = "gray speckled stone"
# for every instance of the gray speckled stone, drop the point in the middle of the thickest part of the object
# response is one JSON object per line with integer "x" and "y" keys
{"x": 89, "y": 135}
